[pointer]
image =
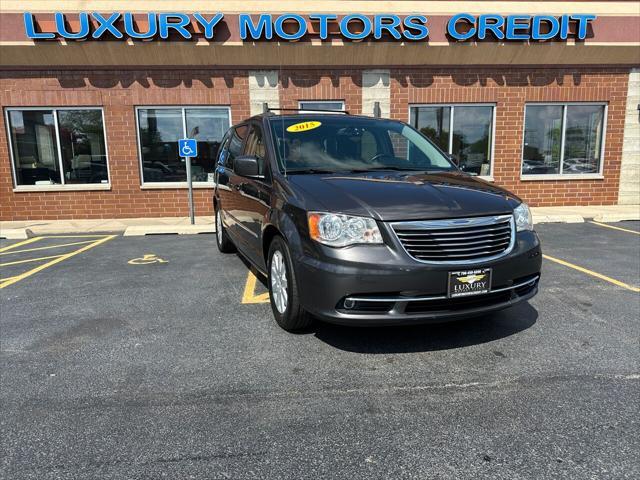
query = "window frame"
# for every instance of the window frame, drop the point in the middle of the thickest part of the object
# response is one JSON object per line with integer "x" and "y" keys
{"x": 160, "y": 185}
{"x": 452, "y": 106}
{"x": 565, "y": 176}
{"x": 300, "y": 109}
{"x": 61, "y": 186}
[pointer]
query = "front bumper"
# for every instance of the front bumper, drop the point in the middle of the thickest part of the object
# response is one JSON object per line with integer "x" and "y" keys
{"x": 387, "y": 287}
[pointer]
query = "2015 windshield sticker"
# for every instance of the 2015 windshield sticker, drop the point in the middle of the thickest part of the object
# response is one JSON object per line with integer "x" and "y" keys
{"x": 303, "y": 126}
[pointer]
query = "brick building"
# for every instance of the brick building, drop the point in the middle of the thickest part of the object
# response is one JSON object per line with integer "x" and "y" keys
{"x": 89, "y": 128}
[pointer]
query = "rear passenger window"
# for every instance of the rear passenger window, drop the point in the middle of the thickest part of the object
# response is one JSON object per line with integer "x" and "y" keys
{"x": 235, "y": 145}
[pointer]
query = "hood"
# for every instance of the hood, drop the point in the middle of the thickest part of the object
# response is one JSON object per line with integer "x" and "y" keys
{"x": 405, "y": 196}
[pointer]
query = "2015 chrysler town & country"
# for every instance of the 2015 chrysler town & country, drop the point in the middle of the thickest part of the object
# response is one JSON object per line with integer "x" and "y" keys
{"x": 360, "y": 220}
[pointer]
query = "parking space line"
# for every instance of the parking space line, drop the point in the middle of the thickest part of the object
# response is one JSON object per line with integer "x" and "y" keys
{"x": 249, "y": 295}
{"x": 593, "y": 274}
{"x": 29, "y": 260}
{"x": 11, "y": 280}
{"x": 614, "y": 228}
{"x": 47, "y": 247}
{"x": 19, "y": 244}
{"x": 95, "y": 235}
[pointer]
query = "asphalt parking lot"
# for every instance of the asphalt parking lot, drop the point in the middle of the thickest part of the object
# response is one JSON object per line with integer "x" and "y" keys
{"x": 157, "y": 357}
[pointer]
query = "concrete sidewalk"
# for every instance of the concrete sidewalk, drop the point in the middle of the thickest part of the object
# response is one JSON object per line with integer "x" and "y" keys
{"x": 126, "y": 226}
{"x": 604, "y": 214}
{"x": 180, "y": 225}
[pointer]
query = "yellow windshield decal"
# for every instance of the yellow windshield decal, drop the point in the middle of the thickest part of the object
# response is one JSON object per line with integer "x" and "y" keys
{"x": 303, "y": 127}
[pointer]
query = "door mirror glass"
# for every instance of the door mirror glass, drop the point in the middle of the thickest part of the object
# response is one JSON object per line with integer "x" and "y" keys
{"x": 247, "y": 166}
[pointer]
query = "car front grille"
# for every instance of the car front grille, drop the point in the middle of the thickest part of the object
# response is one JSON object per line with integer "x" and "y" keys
{"x": 457, "y": 241}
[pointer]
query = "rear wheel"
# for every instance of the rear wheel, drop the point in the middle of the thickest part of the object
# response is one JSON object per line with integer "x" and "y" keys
{"x": 283, "y": 288}
{"x": 225, "y": 245}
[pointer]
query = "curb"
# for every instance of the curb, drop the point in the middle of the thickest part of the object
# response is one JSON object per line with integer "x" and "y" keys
{"x": 140, "y": 230}
{"x": 14, "y": 233}
{"x": 558, "y": 219}
{"x": 616, "y": 217}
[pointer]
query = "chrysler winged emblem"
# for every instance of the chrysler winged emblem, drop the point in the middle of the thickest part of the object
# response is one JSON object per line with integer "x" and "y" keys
{"x": 471, "y": 279}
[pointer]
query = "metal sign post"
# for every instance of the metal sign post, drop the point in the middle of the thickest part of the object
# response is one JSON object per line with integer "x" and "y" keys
{"x": 188, "y": 149}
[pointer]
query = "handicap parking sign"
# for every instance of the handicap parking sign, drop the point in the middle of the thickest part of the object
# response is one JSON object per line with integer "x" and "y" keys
{"x": 188, "y": 147}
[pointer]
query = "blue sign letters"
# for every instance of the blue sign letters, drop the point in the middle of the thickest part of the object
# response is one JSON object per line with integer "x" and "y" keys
{"x": 292, "y": 26}
{"x": 465, "y": 26}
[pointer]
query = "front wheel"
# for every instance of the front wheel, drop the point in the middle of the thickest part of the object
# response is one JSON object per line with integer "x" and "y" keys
{"x": 283, "y": 289}
{"x": 225, "y": 245}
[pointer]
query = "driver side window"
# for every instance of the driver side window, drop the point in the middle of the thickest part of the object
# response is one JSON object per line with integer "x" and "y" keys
{"x": 235, "y": 144}
{"x": 255, "y": 147}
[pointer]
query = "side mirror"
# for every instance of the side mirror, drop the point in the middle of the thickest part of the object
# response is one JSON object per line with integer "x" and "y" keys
{"x": 247, "y": 166}
{"x": 454, "y": 158}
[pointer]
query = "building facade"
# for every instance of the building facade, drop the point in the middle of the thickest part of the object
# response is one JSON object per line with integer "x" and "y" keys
{"x": 90, "y": 124}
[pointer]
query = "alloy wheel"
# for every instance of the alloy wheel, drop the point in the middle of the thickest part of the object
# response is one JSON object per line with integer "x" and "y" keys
{"x": 218, "y": 228}
{"x": 279, "y": 282}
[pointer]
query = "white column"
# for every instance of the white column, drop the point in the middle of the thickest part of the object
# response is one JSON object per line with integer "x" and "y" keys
{"x": 629, "y": 193}
{"x": 263, "y": 87}
{"x": 376, "y": 87}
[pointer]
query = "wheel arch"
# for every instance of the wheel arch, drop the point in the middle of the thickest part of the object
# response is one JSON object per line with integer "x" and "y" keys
{"x": 268, "y": 234}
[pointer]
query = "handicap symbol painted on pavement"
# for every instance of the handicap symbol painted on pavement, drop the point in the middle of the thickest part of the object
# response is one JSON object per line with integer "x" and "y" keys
{"x": 147, "y": 259}
{"x": 188, "y": 147}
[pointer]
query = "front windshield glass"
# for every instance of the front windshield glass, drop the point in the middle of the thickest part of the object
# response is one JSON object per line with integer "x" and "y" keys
{"x": 338, "y": 143}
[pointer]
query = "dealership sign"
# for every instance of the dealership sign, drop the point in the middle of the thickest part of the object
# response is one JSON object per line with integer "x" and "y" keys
{"x": 292, "y": 27}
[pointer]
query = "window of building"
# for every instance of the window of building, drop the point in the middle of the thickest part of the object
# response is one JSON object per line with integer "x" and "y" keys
{"x": 563, "y": 139}
{"x": 64, "y": 146}
{"x": 465, "y": 131}
{"x": 314, "y": 105}
{"x": 160, "y": 128}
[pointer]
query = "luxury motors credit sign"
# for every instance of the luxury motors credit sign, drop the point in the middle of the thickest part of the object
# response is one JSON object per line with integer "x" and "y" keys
{"x": 292, "y": 26}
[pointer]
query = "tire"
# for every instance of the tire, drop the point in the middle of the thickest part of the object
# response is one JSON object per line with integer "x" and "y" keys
{"x": 224, "y": 243}
{"x": 288, "y": 314}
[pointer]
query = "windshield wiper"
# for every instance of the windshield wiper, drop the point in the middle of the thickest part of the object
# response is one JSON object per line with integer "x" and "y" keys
{"x": 310, "y": 170}
{"x": 399, "y": 169}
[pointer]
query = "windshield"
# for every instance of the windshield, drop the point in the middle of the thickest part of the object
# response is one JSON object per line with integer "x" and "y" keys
{"x": 338, "y": 143}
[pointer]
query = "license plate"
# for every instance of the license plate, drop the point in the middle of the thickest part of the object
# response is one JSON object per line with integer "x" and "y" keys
{"x": 469, "y": 282}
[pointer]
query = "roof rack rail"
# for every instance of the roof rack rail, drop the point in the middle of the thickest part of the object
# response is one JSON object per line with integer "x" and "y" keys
{"x": 266, "y": 109}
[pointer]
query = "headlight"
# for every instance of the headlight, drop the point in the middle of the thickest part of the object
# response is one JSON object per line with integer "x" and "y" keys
{"x": 342, "y": 230}
{"x": 522, "y": 214}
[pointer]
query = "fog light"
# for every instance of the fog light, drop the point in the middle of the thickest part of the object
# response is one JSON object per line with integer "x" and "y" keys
{"x": 349, "y": 304}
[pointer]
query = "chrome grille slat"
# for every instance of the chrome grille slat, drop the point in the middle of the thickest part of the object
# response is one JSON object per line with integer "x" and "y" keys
{"x": 422, "y": 251}
{"x": 420, "y": 236}
{"x": 474, "y": 255}
{"x": 432, "y": 243}
{"x": 457, "y": 232}
{"x": 457, "y": 241}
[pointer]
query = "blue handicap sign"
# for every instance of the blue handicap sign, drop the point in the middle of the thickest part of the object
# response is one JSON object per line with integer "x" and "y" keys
{"x": 188, "y": 147}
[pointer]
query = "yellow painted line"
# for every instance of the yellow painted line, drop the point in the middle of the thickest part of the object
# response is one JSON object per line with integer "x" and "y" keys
{"x": 593, "y": 274}
{"x": 48, "y": 247}
{"x": 249, "y": 295}
{"x": 2, "y": 280}
{"x": 66, "y": 256}
{"x": 29, "y": 260}
{"x": 19, "y": 244}
{"x": 75, "y": 236}
{"x": 614, "y": 228}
